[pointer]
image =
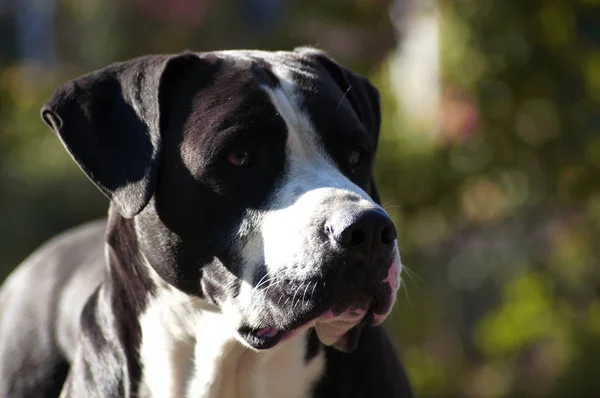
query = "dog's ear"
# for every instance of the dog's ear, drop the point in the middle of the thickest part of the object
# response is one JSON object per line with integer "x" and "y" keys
{"x": 110, "y": 122}
{"x": 362, "y": 95}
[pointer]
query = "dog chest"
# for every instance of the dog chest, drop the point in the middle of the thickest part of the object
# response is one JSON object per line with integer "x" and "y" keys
{"x": 188, "y": 350}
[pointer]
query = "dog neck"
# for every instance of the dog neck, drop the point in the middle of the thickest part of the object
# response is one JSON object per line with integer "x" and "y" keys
{"x": 188, "y": 348}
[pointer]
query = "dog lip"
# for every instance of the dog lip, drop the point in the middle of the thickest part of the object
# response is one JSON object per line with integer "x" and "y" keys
{"x": 368, "y": 307}
{"x": 261, "y": 339}
{"x": 336, "y": 317}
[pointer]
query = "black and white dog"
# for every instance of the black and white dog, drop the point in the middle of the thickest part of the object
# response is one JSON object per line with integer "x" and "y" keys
{"x": 245, "y": 254}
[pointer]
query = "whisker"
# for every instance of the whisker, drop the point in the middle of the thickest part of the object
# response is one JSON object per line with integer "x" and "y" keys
{"x": 313, "y": 290}
{"x": 344, "y": 96}
{"x": 389, "y": 202}
{"x": 279, "y": 300}
{"x": 388, "y": 207}
{"x": 275, "y": 283}
{"x": 414, "y": 277}
{"x": 405, "y": 288}
{"x": 288, "y": 299}
{"x": 261, "y": 280}
{"x": 265, "y": 281}
{"x": 304, "y": 295}
{"x": 296, "y": 292}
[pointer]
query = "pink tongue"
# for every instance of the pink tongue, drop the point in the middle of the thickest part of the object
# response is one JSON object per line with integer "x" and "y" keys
{"x": 267, "y": 332}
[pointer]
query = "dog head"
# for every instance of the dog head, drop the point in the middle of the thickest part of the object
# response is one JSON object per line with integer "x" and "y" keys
{"x": 247, "y": 177}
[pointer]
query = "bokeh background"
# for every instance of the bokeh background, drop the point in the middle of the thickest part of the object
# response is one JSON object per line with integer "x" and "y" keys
{"x": 489, "y": 160}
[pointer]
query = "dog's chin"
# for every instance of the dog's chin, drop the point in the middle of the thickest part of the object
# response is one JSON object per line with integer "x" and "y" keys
{"x": 338, "y": 327}
{"x": 337, "y": 319}
{"x": 340, "y": 334}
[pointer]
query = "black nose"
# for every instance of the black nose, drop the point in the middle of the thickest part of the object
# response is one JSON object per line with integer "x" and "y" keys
{"x": 365, "y": 230}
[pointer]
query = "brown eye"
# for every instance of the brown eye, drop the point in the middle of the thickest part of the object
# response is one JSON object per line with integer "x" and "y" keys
{"x": 354, "y": 158}
{"x": 239, "y": 158}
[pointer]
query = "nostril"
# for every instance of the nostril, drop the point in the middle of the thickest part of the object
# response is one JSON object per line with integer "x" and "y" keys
{"x": 366, "y": 230}
{"x": 353, "y": 237}
{"x": 357, "y": 238}
{"x": 388, "y": 235}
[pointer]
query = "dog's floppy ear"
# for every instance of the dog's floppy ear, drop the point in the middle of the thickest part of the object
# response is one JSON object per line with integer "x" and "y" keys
{"x": 362, "y": 95}
{"x": 109, "y": 121}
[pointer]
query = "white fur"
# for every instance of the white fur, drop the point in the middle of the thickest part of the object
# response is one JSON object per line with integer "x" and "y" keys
{"x": 189, "y": 350}
{"x": 324, "y": 189}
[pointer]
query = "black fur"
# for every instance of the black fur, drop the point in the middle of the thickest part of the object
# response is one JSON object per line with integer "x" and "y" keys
{"x": 153, "y": 134}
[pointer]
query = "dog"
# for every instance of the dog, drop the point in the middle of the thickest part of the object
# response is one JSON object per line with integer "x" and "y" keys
{"x": 245, "y": 253}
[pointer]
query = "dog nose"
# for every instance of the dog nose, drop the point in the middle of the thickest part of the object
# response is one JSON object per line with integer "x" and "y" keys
{"x": 365, "y": 231}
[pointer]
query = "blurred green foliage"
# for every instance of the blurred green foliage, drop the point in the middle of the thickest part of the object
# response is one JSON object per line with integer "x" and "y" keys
{"x": 496, "y": 197}
{"x": 499, "y": 212}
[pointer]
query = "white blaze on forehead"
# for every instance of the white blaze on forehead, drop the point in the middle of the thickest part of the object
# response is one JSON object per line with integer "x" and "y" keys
{"x": 312, "y": 188}
{"x": 301, "y": 142}
{"x": 286, "y": 238}
{"x": 304, "y": 150}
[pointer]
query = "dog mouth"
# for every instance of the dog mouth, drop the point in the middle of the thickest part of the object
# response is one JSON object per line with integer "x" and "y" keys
{"x": 330, "y": 332}
{"x": 338, "y": 327}
{"x": 262, "y": 339}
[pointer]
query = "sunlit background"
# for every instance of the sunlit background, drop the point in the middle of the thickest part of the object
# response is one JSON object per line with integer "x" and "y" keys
{"x": 489, "y": 160}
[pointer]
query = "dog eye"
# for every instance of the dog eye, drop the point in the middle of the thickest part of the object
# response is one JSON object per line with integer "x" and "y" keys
{"x": 354, "y": 158}
{"x": 239, "y": 158}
